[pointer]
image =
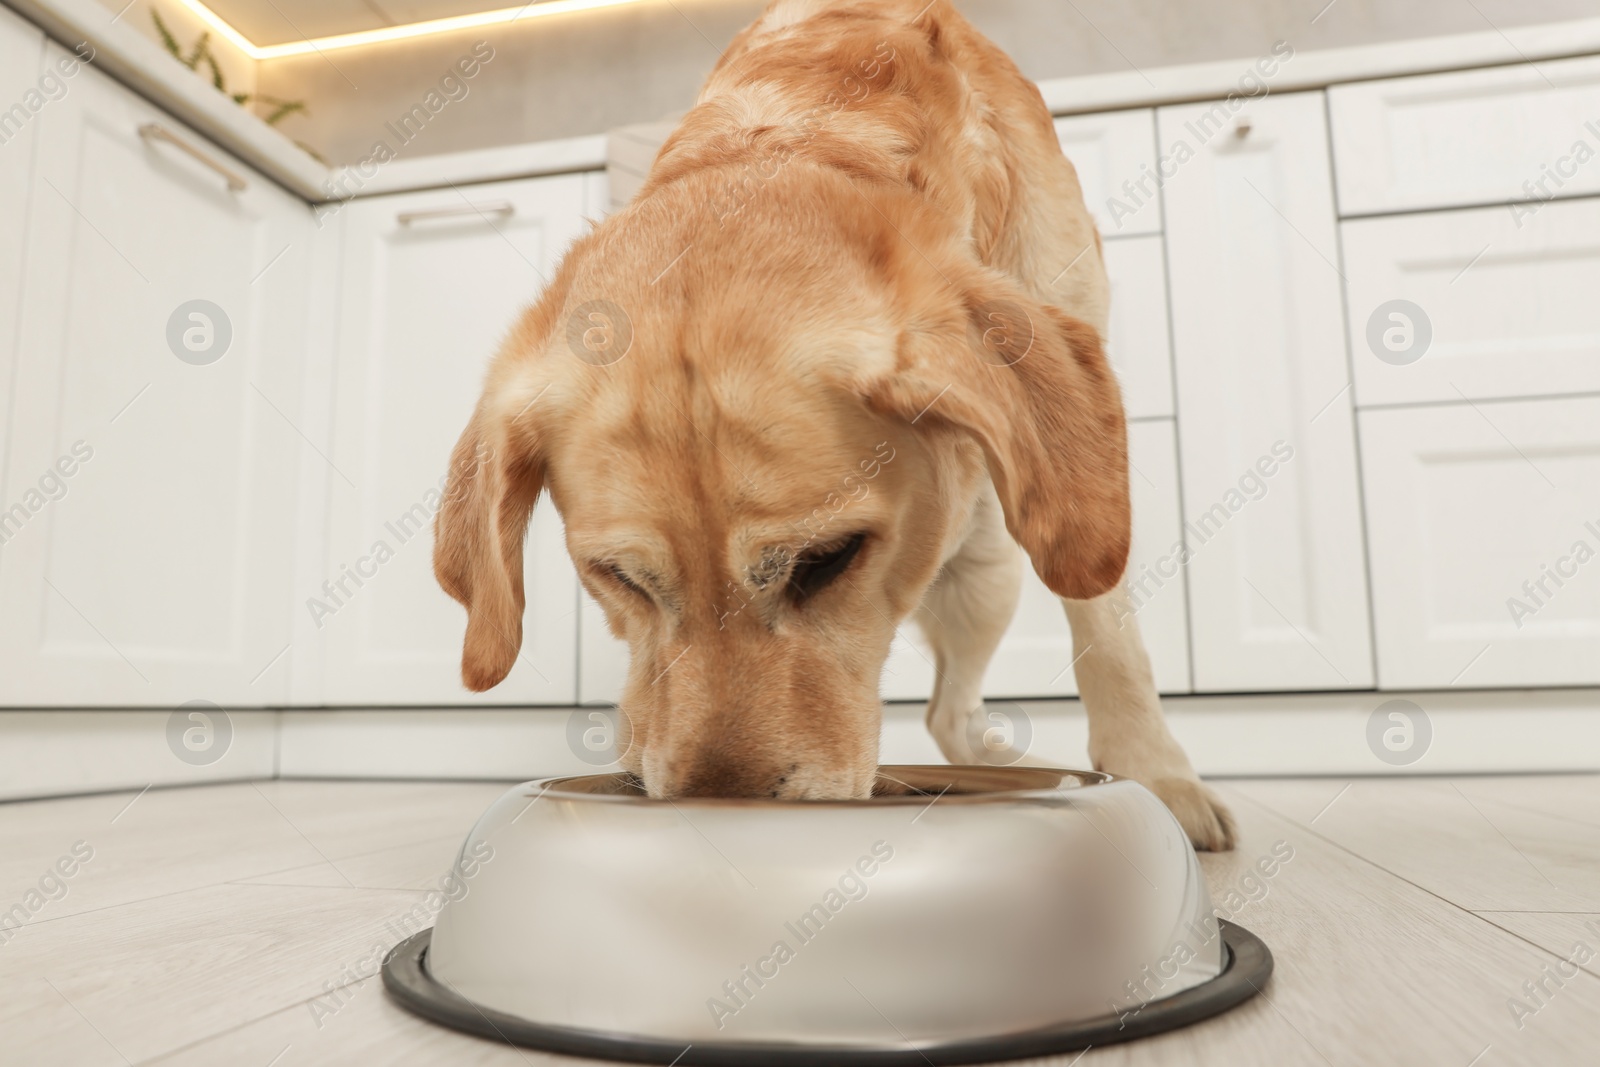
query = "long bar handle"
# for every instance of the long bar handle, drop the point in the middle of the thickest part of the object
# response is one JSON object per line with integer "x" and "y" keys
{"x": 154, "y": 131}
{"x": 494, "y": 207}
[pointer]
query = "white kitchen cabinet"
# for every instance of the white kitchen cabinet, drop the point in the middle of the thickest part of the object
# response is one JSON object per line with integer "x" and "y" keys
{"x": 431, "y": 283}
{"x": 1035, "y": 656}
{"x": 1501, "y": 305}
{"x": 1485, "y": 533}
{"x": 21, "y": 56}
{"x": 150, "y": 479}
{"x": 1277, "y": 578}
{"x": 1139, "y": 345}
{"x": 1115, "y": 157}
{"x": 1525, "y": 132}
{"x": 21, "y": 52}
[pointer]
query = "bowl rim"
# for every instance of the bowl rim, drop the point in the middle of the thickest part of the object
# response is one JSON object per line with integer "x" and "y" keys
{"x": 1028, "y": 783}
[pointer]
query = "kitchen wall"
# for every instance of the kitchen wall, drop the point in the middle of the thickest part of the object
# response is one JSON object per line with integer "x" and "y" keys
{"x": 578, "y": 74}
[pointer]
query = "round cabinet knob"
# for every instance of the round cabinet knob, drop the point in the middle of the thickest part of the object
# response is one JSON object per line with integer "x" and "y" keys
{"x": 1242, "y": 128}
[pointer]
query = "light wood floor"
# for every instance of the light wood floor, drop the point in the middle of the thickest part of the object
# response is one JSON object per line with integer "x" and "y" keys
{"x": 209, "y": 920}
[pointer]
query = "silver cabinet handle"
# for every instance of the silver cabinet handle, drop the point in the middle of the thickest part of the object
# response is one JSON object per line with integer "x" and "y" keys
{"x": 493, "y": 207}
{"x": 154, "y": 131}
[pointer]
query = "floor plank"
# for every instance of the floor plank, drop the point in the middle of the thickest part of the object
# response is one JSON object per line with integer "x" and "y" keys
{"x": 1450, "y": 838}
{"x": 1369, "y": 969}
{"x": 141, "y": 846}
{"x": 356, "y": 818}
{"x": 419, "y": 865}
{"x": 158, "y": 974}
{"x": 1565, "y": 796}
{"x": 1569, "y": 935}
{"x": 358, "y": 1025}
{"x": 236, "y": 924}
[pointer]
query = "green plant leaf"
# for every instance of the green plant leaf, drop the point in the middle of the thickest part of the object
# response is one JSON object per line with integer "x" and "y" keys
{"x": 281, "y": 108}
{"x": 284, "y": 109}
{"x": 216, "y": 72}
{"x": 167, "y": 39}
{"x": 201, "y": 53}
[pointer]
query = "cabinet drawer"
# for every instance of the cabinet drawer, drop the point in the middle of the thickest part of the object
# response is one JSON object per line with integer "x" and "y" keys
{"x": 1035, "y": 654}
{"x": 1139, "y": 345}
{"x": 1484, "y": 526}
{"x": 1502, "y": 307}
{"x": 1110, "y": 150}
{"x": 1475, "y": 137}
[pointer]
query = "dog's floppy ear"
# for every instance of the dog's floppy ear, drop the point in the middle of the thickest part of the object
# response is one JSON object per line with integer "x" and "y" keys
{"x": 1032, "y": 386}
{"x": 496, "y": 474}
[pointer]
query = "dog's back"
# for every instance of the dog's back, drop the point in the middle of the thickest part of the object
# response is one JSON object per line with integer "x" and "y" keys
{"x": 902, "y": 94}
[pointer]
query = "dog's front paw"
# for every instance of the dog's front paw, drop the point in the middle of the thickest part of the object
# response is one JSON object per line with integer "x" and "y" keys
{"x": 1206, "y": 820}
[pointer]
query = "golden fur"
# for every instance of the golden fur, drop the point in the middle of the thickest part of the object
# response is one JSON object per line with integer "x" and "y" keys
{"x": 859, "y": 294}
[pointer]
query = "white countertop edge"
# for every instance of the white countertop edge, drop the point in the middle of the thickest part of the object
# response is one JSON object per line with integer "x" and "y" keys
{"x": 562, "y": 156}
{"x": 139, "y": 63}
{"x": 1319, "y": 68}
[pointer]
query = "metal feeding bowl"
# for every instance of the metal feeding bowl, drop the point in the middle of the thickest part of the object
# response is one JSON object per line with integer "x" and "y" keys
{"x": 962, "y": 914}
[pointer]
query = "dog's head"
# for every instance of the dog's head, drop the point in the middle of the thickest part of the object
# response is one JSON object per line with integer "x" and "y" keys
{"x": 763, "y": 444}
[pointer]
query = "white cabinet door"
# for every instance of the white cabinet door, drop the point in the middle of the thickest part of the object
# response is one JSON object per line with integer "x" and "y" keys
{"x": 21, "y": 52}
{"x": 1499, "y": 306}
{"x": 1485, "y": 522}
{"x": 1277, "y": 581}
{"x": 1115, "y": 157}
{"x": 1526, "y": 132}
{"x": 150, "y": 485}
{"x": 1035, "y": 656}
{"x": 431, "y": 284}
{"x": 1139, "y": 345}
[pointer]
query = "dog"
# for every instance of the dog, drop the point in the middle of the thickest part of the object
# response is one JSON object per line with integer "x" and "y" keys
{"x": 838, "y": 359}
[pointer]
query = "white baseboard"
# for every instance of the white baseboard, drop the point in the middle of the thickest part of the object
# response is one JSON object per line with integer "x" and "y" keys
{"x": 1473, "y": 732}
{"x": 492, "y": 743}
{"x": 52, "y": 753}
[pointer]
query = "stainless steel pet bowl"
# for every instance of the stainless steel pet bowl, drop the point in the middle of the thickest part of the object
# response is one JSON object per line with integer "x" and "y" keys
{"x": 962, "y": 914}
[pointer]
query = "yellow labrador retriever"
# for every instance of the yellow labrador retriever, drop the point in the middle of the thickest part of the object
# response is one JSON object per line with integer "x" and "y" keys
{"x": 836, "y": 361}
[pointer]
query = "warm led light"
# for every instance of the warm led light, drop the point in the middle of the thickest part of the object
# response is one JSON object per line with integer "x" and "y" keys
{"x": 394, "y": 33}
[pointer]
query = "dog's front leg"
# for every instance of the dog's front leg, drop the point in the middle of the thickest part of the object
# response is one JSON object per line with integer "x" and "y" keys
{"x": 964, "y": 615}
{"x": 1128, "y": 734}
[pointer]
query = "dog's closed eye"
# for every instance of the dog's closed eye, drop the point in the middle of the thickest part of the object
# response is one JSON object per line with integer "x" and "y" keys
{"x": 815, "y": 570}
{"x": 620, "y": 576}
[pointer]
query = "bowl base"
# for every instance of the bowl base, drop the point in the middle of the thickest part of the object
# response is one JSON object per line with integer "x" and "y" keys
{"x": 408, "y": 981}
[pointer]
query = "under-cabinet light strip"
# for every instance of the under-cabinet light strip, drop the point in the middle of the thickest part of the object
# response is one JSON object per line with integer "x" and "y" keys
{"x": 394, "y": 33}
